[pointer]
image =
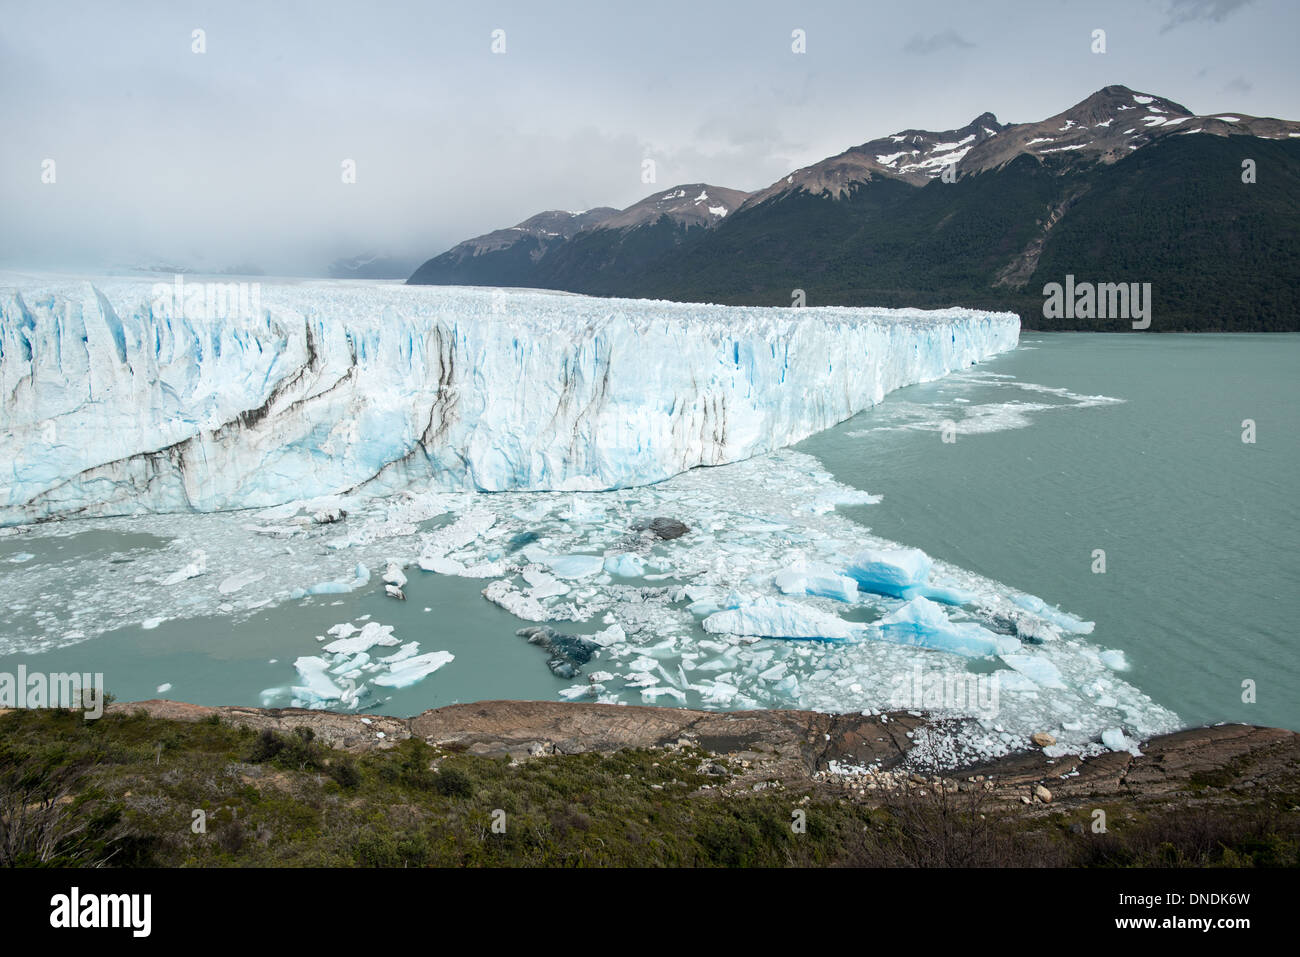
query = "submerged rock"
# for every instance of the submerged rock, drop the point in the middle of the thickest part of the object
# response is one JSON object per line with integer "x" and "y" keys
{"x": 563, "y": 669}
{"x": 519, "y": 540}
{"x": 568, "y": 652}
{"x": 662, "y": 528}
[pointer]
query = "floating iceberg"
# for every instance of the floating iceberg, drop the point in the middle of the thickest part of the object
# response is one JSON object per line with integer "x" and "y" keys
{"x": 371, "y": 633}
{"x": 1037, "y": 669}
{"x": 1062, "y": 620}
{"x": 314, "y": 672}
{"x": 573, "y": 566}
{"x": 902, "y": 573}
{"x": 922, "y": 622}
{"x": 115, "y": 405}
{"x": 803, "y": 578}
{"x": 343, "y": 675}
{"x": 772, "y": 618}
{"x": 413, "y": 669}
{"x": 193, "y": 570}
{"x": 1117, "y": 740}
{"x": 1114, "y": 659}
{"x": 360, "y": 578}
{"x": 625, "y": 565}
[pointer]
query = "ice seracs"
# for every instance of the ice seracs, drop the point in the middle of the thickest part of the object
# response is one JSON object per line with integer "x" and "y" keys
{"x": 112, "y": 408}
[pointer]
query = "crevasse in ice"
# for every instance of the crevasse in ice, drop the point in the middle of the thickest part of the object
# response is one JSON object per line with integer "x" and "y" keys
{"x": 113, "y": 401}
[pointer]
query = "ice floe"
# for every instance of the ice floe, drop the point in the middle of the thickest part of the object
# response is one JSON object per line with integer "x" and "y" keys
{"x": 732, "y": 620}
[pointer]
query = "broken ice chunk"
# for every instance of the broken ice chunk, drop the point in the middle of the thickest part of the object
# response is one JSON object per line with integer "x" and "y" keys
{"x": 406, "y": 651}
{"x": 625, "y": 565}
{"x": 1060, "y": 619}
{"x": 360, "y": 576}
{"x": 923, "y": 623}
{"x": 316, "y": 679}
{"x": 718, "y": 692}
{"x": 612, "y": 635}
{"x": 371, "y": 634}
{"x": 568, "y": 652}
{"x": 1116, "y": 740}
{"x": 573, "y": 566}
{"x": 658, "y": 691}
{"x": 237, "y": 581}
{"x": 803, "y": 578}
{"x": 393, "y": 575}
{"x": 890, "y": 571}
{"x": 193, "y": 570}
{"x": 1037, "y": 669}
{"x": 350, "y": 663}
{"x": 1114, "y": 659}
{"x": 543, "y": 585}
{"x": 412, "y": 670}
{"x": 501, "y": 592}
{"x": 771, "y": 618}
{"x": 902, "y": 573}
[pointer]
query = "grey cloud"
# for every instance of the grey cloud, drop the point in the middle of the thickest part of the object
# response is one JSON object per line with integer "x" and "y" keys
{"x": 233, "y": 156}
{"x": 1179, "y": 12}
{"x": 949, "y": 39}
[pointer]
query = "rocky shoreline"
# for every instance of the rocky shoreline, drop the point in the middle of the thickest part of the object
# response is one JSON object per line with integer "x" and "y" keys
{"x": 857, "y": 757}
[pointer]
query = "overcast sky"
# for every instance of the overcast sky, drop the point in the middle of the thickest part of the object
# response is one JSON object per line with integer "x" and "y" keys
{"x": 233, "y": 156}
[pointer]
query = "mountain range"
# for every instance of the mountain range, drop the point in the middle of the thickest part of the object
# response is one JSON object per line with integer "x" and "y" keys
{"x": 1122, "y": 187}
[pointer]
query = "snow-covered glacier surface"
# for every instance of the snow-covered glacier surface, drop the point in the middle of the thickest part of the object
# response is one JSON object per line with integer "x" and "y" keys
{"x": 113, "y": 403}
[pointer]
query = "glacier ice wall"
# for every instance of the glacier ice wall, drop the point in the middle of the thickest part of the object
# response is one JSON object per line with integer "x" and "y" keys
{"x": 110, "y": 404}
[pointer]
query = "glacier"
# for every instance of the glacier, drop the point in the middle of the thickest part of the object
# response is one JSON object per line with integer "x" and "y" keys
{"x": 112, "y": 403}
{"x": 355, "y": 426}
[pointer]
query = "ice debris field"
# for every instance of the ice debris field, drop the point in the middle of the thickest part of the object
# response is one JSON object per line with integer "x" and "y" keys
{"x": 732, "y": 587}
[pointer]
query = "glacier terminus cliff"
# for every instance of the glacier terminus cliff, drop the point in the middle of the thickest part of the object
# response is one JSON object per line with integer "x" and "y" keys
{"x": 112, "y": 402}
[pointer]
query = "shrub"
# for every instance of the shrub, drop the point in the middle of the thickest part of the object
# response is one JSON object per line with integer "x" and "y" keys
{"x": 266, "y": 747}
{"x": 344, "y": 771}
{"x": 453, "y": 782}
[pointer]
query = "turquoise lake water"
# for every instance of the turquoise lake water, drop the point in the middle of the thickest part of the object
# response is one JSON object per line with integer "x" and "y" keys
{"x": 1201, "y": 531}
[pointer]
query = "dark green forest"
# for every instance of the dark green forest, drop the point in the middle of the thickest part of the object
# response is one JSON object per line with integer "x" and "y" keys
{"x": 1220, "y": 254}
